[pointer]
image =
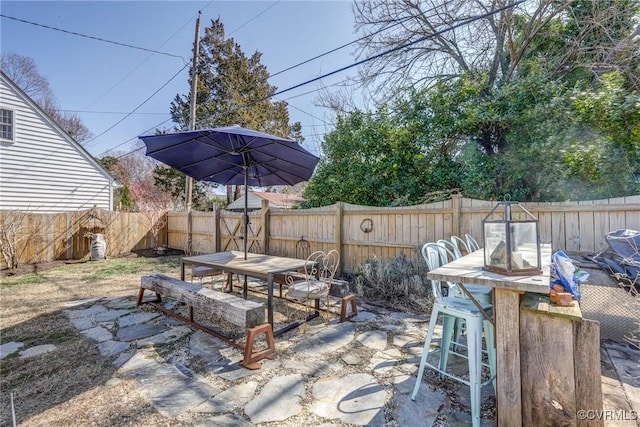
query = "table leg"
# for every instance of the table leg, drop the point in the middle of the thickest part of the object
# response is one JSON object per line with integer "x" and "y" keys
{"x": 508, "y": 393}
{"x": 245, "y": 287}
{"x": 270, "y": 299}
{"x": 182, "y": 271}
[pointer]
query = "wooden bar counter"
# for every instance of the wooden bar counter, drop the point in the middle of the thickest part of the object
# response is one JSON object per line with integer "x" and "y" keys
{"x": 533, "y": 344}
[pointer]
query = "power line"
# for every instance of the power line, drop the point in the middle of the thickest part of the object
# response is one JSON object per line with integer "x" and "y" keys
{"x": 142, "y": 62}
{"x": 110, "y": 112}
{"x": 384, "y": 28}
{"x": 307, "y": 113}
{"x": 149, "y": 56}
{"x": 255, "y": 17}
{"x": 280, "y": 72}
{"x": 135, "y": 109}
{"x": 186, "y": 64}
{"x": 450, "y": 28}
{"x": 133, "y": 139}
{"x": 91, "y": 37}
{"x": 395, "y": 49}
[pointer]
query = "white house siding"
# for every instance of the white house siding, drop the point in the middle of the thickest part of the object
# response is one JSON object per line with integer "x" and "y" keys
{"x": 43, "y": 169}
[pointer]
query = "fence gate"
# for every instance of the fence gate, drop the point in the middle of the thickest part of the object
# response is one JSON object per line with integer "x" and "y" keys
{"x": 232, "y": 232}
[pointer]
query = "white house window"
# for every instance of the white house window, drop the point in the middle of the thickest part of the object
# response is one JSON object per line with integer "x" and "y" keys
{"x": 6, "y": 124}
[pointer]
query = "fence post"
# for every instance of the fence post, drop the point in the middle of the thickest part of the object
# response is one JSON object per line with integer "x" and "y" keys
{"x": 264, "y": 217}
{"x": 339, "y": 209}
{"x": 216, "y": 222}
{"x": 456, "y": 222}
{"x": 69, "y": 236}
{"x": 189, "y": 248}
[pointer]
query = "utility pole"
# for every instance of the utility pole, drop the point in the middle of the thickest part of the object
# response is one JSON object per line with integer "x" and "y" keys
{"x": 192, "y": 126}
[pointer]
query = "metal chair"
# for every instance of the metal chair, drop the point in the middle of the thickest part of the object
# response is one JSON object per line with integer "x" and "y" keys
{"x": 461, "y": 244}
{"x": 200, "y": 272}
{"x": 479, "y": 292}
{"x": 451, "y": 247}
{"x": 472, "y": 244}
{"x": 315, "y": 283}
{"x": 451, "y": 309}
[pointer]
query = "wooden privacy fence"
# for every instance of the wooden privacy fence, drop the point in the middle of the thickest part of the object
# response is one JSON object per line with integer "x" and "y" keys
{"x": 35, "y": 238}
{"x": 361, "y": 232}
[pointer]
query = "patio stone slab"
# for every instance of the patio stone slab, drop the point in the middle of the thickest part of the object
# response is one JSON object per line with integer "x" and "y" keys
{"x": 278, "y": 400}
{"x": 164, "y": 338}
{"x": 123, "y": 302}
{"x": 313, "y": 367}
{"x": 78, "y": 303}
{"x": 169, "y": 390}
{"x": 111, "y": 315}
{"x": 83, "y": 323}
{"x": 37, "y": 350}
{"x": 363, "y": 316}
{"x": 384, "y": 362}
{"x": 91, "y": 311}
{"x": 376, "y": 340}
{"x": 136, "y": 332}
{"x": 205, "y": 346}
{"x": 9, "y": 348}
{"x": 111, "y": 347}
{"x": 122, "y": 359}
{"x": 407, "y": 341}
{"x": 229, "y": 400}
{"x": 327, "y": 341}
{"x": 424, "y": 410}
{"x": 355, "y": 399}
{"x": 226, "y": 420}
{"x": 97, "y": 333}
{"x": 136, "y": 318}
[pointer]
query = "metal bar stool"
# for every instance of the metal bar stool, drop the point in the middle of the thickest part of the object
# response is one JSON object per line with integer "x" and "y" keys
{"x": 453, "y": 308}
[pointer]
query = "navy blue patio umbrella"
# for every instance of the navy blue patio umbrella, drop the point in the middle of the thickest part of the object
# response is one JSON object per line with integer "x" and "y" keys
{"x": 233, "y": 155}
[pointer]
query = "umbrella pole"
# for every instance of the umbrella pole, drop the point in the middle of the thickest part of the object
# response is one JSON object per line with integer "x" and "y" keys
{"x": 246, "y": 227}
{"x": 246, "y": 215}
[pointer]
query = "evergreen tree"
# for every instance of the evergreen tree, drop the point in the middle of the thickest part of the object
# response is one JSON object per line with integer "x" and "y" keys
{"x": 233, "y": 89}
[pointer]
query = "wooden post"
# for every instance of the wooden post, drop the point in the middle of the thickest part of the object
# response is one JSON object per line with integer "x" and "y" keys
{"x": 456, "y": 221}
{"x": 69, "y": 240}
{"x": 548, "y": 383}
{"x": 189, "y": 248}
{"x": 216, "y": 222}
{"x": 508, "y": 393}
{"x": 587, "y": 369}
{"x": 264, "y": 217}
{"x": 338, "y": 226}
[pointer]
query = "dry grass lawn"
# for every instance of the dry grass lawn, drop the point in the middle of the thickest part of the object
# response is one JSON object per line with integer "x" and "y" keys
{"x": 70, "y": 386}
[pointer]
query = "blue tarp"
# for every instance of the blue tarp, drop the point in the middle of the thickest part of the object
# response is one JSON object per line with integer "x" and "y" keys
{"x": 566, "y": 274}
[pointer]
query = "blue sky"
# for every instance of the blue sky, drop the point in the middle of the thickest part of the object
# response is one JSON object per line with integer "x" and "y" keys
{"x": 103, "y": 82}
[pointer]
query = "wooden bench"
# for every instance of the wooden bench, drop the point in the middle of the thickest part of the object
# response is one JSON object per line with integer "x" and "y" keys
{"x": 238, "y": 311}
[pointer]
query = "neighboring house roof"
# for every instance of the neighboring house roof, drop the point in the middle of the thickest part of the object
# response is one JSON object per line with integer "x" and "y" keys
{"x": 43, "y": 168}
{"x": 276, "y": 200}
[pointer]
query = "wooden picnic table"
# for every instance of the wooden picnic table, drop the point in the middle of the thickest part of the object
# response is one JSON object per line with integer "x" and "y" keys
{"x": 260, "y": 266}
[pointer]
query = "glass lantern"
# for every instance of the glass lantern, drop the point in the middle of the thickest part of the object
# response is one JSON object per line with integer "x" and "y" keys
{"x": 511, "y": 237}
